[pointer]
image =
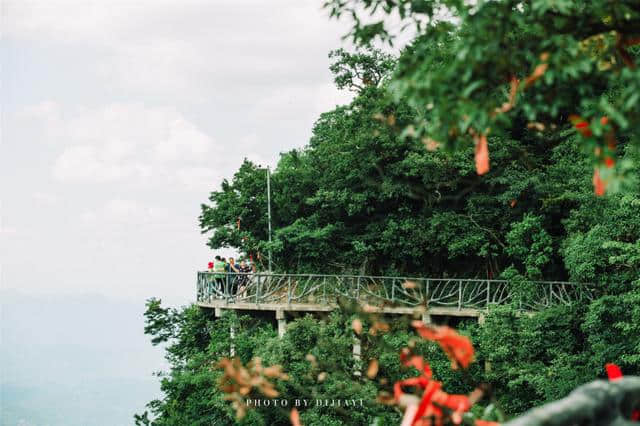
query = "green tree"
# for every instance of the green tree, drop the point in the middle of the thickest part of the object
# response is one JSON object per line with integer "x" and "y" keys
{"x": 357, "y": 71}
{"x": 382, "y": 203}
{"x": 487, "y": 67}
{"x": 316, "y": 355}
{"x": 237, "y": 214}
{"x": 530, "y": 245}
{"x": 370, "y": 194}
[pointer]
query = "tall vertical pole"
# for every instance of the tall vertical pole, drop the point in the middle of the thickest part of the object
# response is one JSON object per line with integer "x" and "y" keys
{"x": 269, "y": 211}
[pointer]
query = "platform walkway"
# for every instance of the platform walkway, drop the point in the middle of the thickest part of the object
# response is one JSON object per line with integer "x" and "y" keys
{"x": 452, "y": 297}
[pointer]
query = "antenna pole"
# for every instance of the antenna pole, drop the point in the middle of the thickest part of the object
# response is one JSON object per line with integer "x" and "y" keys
{"x": 269, "y": 211}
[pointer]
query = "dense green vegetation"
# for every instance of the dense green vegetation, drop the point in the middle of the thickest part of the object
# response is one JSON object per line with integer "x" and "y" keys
{"x": 486, "y": 67}
{"x": 360, "y": 197}
{"x": 371, "y": 194}
{"x": 197, "y": 341}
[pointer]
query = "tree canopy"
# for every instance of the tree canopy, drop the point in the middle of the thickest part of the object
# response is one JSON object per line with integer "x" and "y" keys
{"x": 363, "y": 196}
{"x": 483, "y": 68}
{"x": 387, "y": 185}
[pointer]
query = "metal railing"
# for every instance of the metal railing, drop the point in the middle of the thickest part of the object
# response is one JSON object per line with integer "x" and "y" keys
{"x": 265, "y": 288}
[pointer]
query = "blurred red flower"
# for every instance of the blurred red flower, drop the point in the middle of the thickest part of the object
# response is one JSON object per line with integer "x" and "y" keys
{"x": 457, "y": 347}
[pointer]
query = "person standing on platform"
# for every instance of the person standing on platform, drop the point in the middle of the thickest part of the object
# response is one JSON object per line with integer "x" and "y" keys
{"x": 218, "y": 268}
{"x": 232, "y": 270}
{"x": 243, "y": 278}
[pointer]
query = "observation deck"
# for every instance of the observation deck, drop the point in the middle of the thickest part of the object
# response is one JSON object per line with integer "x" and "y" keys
{"x": 456, "y": 297}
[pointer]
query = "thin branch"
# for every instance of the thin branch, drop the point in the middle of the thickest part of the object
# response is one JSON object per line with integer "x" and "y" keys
{"x": 489, "y": 231}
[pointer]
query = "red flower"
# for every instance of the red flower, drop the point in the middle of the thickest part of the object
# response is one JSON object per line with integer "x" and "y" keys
{"x": 614, "y": 373}
{"x": 599, "y": 186}
{"x": 611, "y": 144}
{"x": 434, "y": 402}
{"x": 426, "y": 407}
{"x": 581, "y": 125}
{"x": 609, "y": 162}
{"x": 583, "y": 128}
{"x": 295, "y": 418}
{"x": 482, "y": 154}
{"x": 457, "y": 347}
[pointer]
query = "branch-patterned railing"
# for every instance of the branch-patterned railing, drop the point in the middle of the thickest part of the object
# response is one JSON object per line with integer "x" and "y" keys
{"x": 265, "y": 288}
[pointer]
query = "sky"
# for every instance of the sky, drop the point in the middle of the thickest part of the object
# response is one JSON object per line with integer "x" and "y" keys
{"x": 118, "y": 119}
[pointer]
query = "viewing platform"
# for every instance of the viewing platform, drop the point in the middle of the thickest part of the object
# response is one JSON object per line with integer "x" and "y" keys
{"x": 455, "y": 297}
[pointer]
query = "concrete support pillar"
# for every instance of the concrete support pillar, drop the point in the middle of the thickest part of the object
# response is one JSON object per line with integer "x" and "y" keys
{"x": 232, "y": 333}
{"x": 426, "y": 318}
{"x": 487, "y": 364}
{"x": 282, "y": 323}
{"x": 357, "y": 352}
{"x": 232, "y": 346}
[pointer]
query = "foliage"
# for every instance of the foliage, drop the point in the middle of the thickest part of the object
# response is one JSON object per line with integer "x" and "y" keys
{"x": 310, "y": 350}
{"x": 315, "y": 355}
{"x": 356, "y": 71}
{"x": 487, "y": 67}
{"x": 530, "y": 244}
{"x": 240, "y": 202}
{"x": 380, "y": 203}
{"x": 535, "y": 359}
{"x": 377, "y": 191}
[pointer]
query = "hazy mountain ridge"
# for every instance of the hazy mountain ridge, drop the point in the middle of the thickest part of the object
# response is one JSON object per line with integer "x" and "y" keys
{"x": 74, "y": 360}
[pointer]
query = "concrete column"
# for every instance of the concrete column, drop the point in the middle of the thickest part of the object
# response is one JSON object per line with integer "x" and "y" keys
{"x": 232, "y": 346}
{"x": 426, "y": 318}
{"x": 282, "y": 323}
{"x": 481, "y": 318}
{"x": 357, "y": 351}
{"x": 487, "y": 364}
{"x": 232, "y": 333}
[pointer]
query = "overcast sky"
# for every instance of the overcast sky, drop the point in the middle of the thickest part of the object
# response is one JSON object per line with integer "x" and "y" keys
{"x": 119, "y": 117}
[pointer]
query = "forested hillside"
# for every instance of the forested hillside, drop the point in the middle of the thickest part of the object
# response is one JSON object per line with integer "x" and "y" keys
{"x": 374, "y": 193}
{"x": 363, "y": 196}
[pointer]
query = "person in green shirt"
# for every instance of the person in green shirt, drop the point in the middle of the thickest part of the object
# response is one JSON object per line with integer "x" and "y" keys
{"x": 218, "y": 276}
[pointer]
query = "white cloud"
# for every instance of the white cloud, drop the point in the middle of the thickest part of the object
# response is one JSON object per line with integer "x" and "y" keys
{"x": 289, "y": 102}
{"x": 197, "y": 178}
{"x": 155, "y": 101}
{"x": 45, "y": 198}
{"x": 155, "y": 46}
{"x": 7, "y": 230}
{"x": 184, "y": 141}
{"x": 124, "y": 212}
{"x": 126, "y": 142}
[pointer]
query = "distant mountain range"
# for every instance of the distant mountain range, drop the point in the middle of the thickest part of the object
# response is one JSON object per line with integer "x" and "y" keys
{"x": 74, "y": 360}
